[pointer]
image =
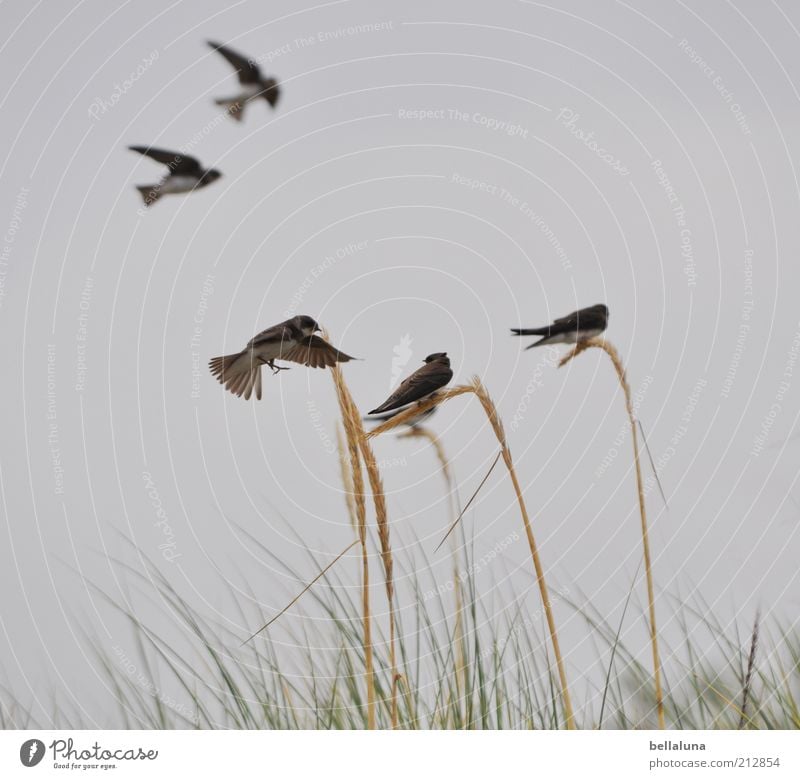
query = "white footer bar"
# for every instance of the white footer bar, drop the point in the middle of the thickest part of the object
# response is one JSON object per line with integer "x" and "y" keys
{"x": 400, "y": 755}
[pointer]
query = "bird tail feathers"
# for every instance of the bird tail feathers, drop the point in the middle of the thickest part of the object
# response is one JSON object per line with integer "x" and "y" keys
{"x": 530, "y": 330}
{"x": 540, "y": 342}
{"x": 238, "y": 373}
{"x": 234, "y": 107}
{"x": 150, "y": 194}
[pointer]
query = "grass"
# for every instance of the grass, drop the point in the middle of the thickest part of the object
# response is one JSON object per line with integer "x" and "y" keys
{"x": 452, "y": 657}
{"x": 616, "y": 360}
{"x": 354, "y": 435}
{"x": 308, "y": 675}
{"x": 476, "y": 388}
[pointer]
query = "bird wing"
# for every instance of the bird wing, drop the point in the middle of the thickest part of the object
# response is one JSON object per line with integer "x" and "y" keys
{"x": 178, "y": 164}
{"x": 275, "y": 334}
{"x": 428, "y": 379}
{"x": 569, "y": 319}
{"x": 593, "y": 316}
{"x": 246, "y": 69}
{"x": 315, "y": 352}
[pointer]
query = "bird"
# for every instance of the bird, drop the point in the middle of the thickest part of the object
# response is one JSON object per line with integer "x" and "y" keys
{"x": 570, "y": 329}
{"x": 254, "y": 85}
{"x": 292, "y": 340}
{"x": 424, "y": 383}
{"x": 185, "y": 174}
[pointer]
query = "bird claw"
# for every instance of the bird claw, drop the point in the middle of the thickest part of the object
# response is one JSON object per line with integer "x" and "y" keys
{"x": 278, "y": 368}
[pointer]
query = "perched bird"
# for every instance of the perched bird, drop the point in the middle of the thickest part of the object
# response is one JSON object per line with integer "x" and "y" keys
{"x": 185, "y": 174}
{"x": 571, "y": 329}
{"x": 424, "y": 383}
{"x": 254, "y": 85}
{"x": 292, "y": 340}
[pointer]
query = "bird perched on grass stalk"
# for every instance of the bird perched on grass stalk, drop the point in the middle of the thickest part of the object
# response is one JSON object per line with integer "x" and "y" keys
{"x": 421, "y": 385}
{"x": 570, "y": 329}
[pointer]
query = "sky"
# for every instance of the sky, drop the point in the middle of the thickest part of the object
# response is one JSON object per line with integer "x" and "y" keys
{"x": 434, "y": 174}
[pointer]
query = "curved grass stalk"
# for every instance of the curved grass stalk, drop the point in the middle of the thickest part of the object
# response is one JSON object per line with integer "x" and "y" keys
{"x": 419, "y": 431}
{"x": 352, "y": 423}
{"x": 346, "y": 476}
{"x": 376, "y": 485}
{"x": 357, "y": 439}
{"x": 616, "y": 360}
{"x": 476, "y": 388}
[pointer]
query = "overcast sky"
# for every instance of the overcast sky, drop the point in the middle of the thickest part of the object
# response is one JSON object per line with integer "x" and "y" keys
{"x": 434, "y": 174}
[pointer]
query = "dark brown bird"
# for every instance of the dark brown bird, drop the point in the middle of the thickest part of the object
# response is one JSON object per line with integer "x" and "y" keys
{"x": 185, "y": 174}
{"x": 420, "y": 385}
{"x": 254, "y": 85}
{"x": 292, "y": 340}
{"x": 570, "y": 329}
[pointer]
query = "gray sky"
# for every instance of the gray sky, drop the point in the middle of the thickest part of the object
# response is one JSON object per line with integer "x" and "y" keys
{"x": 429, "y": 179}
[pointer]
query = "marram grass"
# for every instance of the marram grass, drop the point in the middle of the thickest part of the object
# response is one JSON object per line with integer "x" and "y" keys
{"x": 482, "y": 665}
{"x": 420, "y": 431}
{"x": 352, "y": 427}
{"x": 476, "y": 388}
{"x": 307, "y": 675}
{"x": 616, "y": 360}
{"x": 357, "y": 439}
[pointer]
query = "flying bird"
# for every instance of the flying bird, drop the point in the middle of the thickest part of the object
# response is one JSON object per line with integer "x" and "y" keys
{"x": 185, "y": 174}
{"x": 292, "y": 340}
{"x": 254, "y": 85}
{"x": 424, "y": 383}
{"x": 571, "y": 329}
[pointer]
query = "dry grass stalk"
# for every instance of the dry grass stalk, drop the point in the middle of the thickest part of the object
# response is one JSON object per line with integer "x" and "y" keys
{"x": 458, "y": 629}
{"x": 463, "y": 511}
{"x": 419, "y": 431}
{"x": 356, "y": 436}
{"x": 610, "y": 350}
{"x": 748, "y": 678}
{"x": 305, "y": 589}
{"x": 497, "y": 426}
{"x": 418, "y": 408}
{"x": 477, "y": 388}
{"x": 382, "y": 517}
{"x": 352, "y": 429}
{"x": 347, "y": 477}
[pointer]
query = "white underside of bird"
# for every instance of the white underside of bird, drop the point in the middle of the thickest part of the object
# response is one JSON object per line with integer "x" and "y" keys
{"x": 570, "y": 337}
{"x": 177, "y": 185}
{"x": 412, "y": 421}
{"x": 581, "y": 335}
{"x": 235, "y": 105}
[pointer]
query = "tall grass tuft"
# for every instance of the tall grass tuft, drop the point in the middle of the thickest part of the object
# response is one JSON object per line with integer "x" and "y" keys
{"x": 352, "y": 429}
{"x": 382, "y": 517}
{"x": 191, "y": 672}
{"x": 616, "y": 360}
{"x": 356, "y": 437}
{"x": 476, "y": 388}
